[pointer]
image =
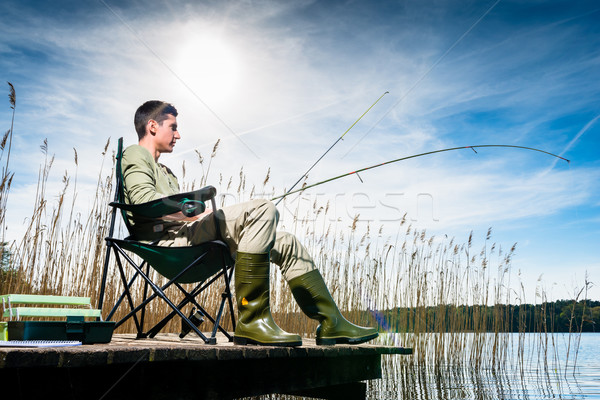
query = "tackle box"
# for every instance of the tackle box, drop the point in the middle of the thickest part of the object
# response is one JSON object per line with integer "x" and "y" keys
{"x": 74, "y": 309}
{"x": 74, "y": 328}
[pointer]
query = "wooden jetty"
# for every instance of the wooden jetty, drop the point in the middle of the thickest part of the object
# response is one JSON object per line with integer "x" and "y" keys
{"x": 168, "y": 367}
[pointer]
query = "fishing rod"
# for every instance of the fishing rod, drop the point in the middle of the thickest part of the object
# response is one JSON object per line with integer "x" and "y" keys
{"x": 414, "y": 156}
{"x": 331, "y": 147}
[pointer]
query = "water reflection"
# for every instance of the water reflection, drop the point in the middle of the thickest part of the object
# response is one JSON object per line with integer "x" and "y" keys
{"x": 405, "y": 380}
{"x": 532, "y": 369}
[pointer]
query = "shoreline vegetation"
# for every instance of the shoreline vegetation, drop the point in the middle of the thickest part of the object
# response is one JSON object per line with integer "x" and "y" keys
{"x": 411, "y": 283}
{"x": 560, "y": 316}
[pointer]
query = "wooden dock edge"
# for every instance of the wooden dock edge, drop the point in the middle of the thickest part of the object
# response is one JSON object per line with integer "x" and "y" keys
{"x": 168, "y": 367}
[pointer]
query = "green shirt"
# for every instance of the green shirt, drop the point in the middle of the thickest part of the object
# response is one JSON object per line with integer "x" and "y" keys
{"x": 145, "y": 180}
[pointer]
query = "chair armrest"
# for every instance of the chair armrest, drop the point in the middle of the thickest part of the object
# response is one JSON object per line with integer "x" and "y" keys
{"x": 168, "y": 205}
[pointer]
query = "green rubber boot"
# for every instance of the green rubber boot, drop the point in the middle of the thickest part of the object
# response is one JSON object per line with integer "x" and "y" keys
{"x": 316, "y": 302}
{"x": 255, "y": 324}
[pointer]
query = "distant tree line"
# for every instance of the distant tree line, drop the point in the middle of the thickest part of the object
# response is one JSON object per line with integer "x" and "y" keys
{"x": 558, "y": 316}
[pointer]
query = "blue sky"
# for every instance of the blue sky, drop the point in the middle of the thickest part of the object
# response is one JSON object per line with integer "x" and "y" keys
{"x": 278, "y": 82}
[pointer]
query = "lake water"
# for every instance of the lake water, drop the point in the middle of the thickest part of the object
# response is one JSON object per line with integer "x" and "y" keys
{"x": 534, "y": 367}
{"x": 568, "y": 367}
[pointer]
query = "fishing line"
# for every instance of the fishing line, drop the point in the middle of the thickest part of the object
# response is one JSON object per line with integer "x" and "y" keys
{"x": 331, "y": 147}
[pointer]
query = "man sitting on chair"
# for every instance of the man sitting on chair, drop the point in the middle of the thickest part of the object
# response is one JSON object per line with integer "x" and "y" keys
{"x": 249, "y": 229}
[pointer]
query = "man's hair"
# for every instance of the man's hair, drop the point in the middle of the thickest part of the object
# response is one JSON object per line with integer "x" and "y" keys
{"x": 152, "y": 110}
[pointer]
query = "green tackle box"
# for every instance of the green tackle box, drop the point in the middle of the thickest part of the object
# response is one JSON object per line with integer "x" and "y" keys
{"x": 74, "y": 328}
{"x": 74, "y": 309}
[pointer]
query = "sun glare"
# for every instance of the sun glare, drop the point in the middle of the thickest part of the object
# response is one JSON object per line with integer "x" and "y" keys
{"x": 209, "y": 66}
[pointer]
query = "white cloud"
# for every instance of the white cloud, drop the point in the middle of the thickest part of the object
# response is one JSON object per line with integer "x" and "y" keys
{"x": 289, "y": 84}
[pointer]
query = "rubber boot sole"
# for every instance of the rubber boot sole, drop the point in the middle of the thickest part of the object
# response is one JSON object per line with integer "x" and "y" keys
{"x": 345, "y": 340}
{"x": 246, "y": 341}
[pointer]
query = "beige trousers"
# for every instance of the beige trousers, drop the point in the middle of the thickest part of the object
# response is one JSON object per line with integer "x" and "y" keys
{"x": 247, "y": 227}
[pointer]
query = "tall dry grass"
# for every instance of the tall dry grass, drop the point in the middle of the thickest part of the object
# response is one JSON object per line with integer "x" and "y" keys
{"x": 6, "y": 177}
{"x": 62, "y": 252}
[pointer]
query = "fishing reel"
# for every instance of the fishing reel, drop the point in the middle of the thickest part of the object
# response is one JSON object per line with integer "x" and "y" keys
{"x": 191, "y": 208}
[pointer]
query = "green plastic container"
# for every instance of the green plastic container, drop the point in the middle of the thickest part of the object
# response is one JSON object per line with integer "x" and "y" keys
{"x": 75, "y": 328}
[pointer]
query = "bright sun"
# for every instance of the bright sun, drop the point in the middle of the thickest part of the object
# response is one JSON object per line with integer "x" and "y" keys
{"x": 209, "y": 66}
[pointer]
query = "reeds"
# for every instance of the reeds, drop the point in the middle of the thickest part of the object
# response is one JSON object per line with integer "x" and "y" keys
{"x": 433, "y": 293}
{"x": 7, "y": 271}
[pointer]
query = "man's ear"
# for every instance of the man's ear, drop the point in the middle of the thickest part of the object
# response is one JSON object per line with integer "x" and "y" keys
{"x": 151, "y": 127}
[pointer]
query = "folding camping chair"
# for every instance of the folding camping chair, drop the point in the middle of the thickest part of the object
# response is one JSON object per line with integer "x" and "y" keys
{"x": 202, "y": 264}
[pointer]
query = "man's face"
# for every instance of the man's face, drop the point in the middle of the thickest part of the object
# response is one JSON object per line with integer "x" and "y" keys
{"x": 166, "y": 134}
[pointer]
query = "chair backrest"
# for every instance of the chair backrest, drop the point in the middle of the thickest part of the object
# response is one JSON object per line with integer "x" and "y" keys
{"x": 120, "y": 189}
{"x": 119, "y": 197}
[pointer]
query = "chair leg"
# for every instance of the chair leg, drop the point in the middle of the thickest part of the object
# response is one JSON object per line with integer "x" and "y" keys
{"x": 129, "y": 299}
{"x": 159, "y": 291}
{"x": 141, "y": 334}
{"x": 189, "y": 298}
{"x": 176, "y": 310}
{"x": 121, "y": 298}
{"x": 217, "y": 324}
{"x": 229, "y": 297}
